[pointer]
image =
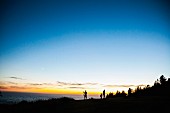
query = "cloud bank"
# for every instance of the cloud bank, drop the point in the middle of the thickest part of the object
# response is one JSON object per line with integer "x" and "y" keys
{"x": 13, "y": 77}
{"x": 60, "y": 85}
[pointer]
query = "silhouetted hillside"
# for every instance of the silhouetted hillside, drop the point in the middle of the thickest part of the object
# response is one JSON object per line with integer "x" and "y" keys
{"x": 161, "y": 87}
{"x": 113, "y": 105}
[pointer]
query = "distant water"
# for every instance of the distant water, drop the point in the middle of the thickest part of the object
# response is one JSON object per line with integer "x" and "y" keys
{"x": 15, "y": 97}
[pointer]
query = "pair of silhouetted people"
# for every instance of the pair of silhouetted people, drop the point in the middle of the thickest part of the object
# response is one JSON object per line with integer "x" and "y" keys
{"x": 102, "y": 94}
{"x": 85, "y": 94}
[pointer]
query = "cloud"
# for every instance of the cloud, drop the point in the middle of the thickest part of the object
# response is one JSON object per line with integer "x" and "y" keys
{"x": 41, "y": 84}
{"x": 35, "y": 84}
{"x": 2, "y": 83}
{"x": 142, "y": 85}
{"x": 7, "y": 83}
{"x": 92, "y": 83}
{"x": 15, "y": 87}
{"x": 127, "y": 86}
{"x": 16, "y": 78}
{"x": 70, "y": 84}
{"x": 3, "y": 87}
{"x": 19, "y": 87}
{"x": 12, "y": 82}
{"x": 24, "y": 87}
{"x": 77, "y": 87}
{"x": 75, "y": 84}
{"x": 119, "y": 86}
{"x": 47, "y": 84}
{"x": 60, "y": 84}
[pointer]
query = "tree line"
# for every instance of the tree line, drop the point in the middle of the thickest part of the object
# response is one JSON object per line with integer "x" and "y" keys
{"x": 161, "y": 87}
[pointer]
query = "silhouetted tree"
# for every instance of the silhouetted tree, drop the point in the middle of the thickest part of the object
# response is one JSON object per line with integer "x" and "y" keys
{"x": 117, "y": 94}
{"x": 168, "y": 82}
{"x": 120, "y": 94}
{"x": 162, "y": 80}
{"x": 161, "y": 87}
{"x": 123, "y": 94}
{"x": 156, "y": 83}
{"x": 110, "y": 95}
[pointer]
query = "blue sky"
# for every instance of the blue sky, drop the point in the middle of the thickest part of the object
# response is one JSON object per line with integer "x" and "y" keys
{"x": 105, "y": 41}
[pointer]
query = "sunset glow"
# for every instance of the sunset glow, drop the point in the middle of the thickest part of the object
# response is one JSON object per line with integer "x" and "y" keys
{"x": 67, "y": 47}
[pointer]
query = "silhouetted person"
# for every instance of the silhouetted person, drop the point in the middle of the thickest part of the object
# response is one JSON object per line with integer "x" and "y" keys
{"x": 103, "y": 93}
{"x": 129, "y": 92}
{"x": 85, "y": 94}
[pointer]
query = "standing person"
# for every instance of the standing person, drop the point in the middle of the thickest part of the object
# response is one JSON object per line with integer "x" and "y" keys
{"x": 85, "y": 94}
{"x": 101, "y": 95}
{"x": 104, "y": 93}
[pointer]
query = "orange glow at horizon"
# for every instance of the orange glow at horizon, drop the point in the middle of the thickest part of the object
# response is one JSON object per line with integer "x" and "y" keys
{"x": 52, "y": 91}
{"x": 61, "y": 91}
{"x": 63, "y": 87}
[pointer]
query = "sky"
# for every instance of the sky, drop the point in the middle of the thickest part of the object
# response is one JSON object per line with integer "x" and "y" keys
{"x": 68, "y": 46}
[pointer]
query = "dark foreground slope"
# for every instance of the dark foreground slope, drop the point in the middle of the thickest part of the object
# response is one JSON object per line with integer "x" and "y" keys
{"x": 114, "y": 105}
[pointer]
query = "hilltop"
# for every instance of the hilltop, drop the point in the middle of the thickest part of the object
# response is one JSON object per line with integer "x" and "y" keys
{"x": 68, "y": 105}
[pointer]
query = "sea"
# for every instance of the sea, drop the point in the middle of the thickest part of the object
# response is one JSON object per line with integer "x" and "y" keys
{"x": 16, "y": 97}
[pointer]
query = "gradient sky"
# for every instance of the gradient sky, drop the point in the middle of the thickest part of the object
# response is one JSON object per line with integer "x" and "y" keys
{"x": 68, "y": 46}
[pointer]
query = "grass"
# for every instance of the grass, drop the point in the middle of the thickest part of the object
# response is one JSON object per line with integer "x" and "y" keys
{"x": 112, "y": 105}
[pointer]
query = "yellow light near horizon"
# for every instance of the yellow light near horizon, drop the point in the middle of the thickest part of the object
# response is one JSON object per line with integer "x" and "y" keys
{"x": 71, "y": 91}
{"x": 52, "y": 91}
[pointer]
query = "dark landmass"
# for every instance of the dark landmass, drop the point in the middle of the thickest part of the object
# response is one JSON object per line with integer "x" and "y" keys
{"x": 111, "y": 105}
{"x": 150, "y": 99}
